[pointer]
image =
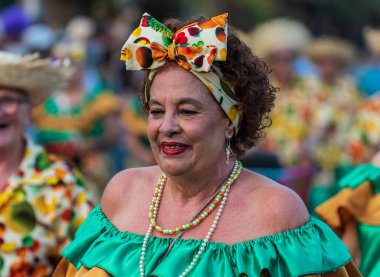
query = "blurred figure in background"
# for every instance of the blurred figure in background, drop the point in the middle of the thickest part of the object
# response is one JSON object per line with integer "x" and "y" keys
{"x": 364, "y": 135}
{"x": 42, "y": 199}
{"x": 135, "y": 125}
{"x": 369, "y": 73}
{"x": 13, "y": 21}
{"x": 38, "y": 38}
{"x": 334, "y": 99}
{"x": 278, "y": 42}
{"x": 354, "y": 214}
{"x": 78, "y": 124}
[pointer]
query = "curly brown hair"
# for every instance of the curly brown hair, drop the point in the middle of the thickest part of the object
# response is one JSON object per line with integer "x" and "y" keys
{"x": 248, "y": 74}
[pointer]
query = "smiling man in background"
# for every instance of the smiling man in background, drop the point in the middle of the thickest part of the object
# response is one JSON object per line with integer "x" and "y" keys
{"x": 42, "y": 199}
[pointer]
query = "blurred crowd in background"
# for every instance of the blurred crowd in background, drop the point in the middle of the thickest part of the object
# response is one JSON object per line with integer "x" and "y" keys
{"x": 325, "y": 60}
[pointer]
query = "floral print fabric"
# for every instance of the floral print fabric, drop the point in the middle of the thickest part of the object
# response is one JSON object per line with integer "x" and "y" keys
{"x": 291, "y": 120}
{"x": 334, "y": 107}
{"x": 41, "y": 207}
{"x": 364, "y": 135}
{"x": 194, "y": 47}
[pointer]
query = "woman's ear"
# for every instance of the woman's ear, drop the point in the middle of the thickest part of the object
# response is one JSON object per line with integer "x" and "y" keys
{"x": 229, "y": 130}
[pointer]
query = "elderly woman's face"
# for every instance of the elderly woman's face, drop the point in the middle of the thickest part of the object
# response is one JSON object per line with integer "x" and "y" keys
{"x": 186, "y": 127}
{"x": 14, "y": 115}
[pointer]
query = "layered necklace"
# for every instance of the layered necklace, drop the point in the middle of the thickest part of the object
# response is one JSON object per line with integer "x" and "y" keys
{"x": 220, "y": 199}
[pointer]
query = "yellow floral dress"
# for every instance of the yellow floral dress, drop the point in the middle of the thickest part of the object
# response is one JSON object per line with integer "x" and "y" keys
{"x": 63, "y": 129}
{"x": 288, "y": 136}
{"x": 290, "y": 128}
{"x": 41, "y": 206}
{"x": 334, "y": 107}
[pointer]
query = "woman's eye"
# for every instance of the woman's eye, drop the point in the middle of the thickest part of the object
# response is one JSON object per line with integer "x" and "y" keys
{"x": 156, "y": 112}
{"x": 188, "y": 112}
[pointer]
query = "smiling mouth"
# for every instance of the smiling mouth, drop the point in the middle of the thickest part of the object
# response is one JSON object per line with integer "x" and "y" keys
{"x": 171, "y": 149}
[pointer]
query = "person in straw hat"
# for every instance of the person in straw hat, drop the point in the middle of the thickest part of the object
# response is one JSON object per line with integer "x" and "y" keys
{"x": 79, "y": 124}
{"x": 42, "y": 199}
{"x": 335, "y": 100}
{"x": 279, "y": 42}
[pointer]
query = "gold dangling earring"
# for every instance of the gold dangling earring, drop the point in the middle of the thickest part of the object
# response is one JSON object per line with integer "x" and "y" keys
{"x": 228, "y": 151}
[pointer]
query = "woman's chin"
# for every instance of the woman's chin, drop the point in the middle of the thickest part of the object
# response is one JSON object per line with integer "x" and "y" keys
{"x": 175, "y": 167}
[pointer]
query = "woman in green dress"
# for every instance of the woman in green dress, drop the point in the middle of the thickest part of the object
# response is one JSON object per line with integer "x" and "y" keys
{"x": 208, "y": 104}
{"x": 354, "y": 214}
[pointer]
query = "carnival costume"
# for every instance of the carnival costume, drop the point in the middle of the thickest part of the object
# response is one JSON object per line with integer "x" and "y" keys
{"x": 41, "y": 207}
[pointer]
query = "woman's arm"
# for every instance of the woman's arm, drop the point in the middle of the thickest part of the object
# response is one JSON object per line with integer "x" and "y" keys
{"x": 350, "y": 239}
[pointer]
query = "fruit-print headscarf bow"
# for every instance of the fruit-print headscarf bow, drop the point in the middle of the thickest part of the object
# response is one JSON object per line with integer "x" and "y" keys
{"x": 194, "y": 47}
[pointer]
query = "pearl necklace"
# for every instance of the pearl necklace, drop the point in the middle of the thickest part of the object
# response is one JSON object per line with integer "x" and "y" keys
{"x": 154, "y": 211}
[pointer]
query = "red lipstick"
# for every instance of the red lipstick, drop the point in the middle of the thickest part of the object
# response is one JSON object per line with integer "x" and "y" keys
{"x": 173, "y": 148}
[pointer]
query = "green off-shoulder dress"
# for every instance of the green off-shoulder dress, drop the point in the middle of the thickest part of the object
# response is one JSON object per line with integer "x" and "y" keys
{"x": 100, "y": 250}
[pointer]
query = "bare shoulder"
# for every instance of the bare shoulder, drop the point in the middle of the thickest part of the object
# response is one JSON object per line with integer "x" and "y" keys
{"x": 276, "y": 208}
{"x": 120, "y": 190}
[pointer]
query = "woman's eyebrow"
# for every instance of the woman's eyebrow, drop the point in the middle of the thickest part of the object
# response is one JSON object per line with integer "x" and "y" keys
{"x": 153, "y": 102}
{"x": 190, "y": 101}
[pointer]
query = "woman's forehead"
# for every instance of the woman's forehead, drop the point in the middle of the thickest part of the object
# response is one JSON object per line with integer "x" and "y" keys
{"x": 178, "y": 82}
{"x": 173, "y": 73}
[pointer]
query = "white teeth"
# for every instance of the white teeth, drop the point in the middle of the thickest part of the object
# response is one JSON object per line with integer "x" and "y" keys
{"x": 174, "y": 147}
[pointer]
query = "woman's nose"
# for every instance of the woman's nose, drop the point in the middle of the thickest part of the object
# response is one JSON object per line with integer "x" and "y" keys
{"x": 170, "y": 125}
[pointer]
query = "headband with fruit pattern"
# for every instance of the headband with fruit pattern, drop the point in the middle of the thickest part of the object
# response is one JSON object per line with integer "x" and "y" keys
{"x": 194, "y": 47}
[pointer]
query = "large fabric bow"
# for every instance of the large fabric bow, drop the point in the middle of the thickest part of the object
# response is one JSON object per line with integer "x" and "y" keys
{"x": 194, "y": 46}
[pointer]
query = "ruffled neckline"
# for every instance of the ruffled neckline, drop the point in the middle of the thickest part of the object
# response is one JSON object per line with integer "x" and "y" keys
{"x": 112, "y": 229}
{"x": 309, "y": 249}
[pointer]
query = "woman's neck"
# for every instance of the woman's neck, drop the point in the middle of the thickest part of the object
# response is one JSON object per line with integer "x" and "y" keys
{"x": 10, "y": 159}
{"x": 197, "y": 187}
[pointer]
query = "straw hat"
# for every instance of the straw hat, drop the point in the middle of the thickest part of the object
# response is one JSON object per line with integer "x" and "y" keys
{"x": 279, "y": 34}
{"x": 38, "y": 78}
{"x": 372, "y": 38}
{"x": 330, "y": 47}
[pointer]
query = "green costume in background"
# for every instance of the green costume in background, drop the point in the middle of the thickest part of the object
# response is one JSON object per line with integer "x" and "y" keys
{"x": 358, "y": 200}
{"x": 63, "y": 129}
